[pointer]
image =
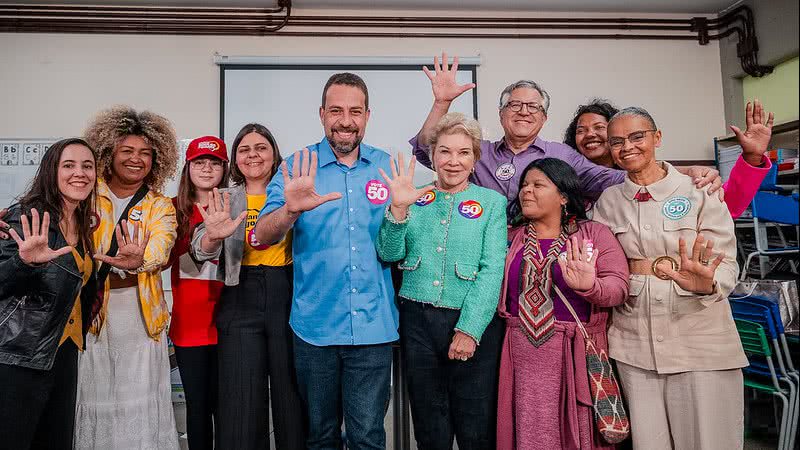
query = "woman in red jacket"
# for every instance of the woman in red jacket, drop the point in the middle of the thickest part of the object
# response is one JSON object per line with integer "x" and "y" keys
{"x": 195, "y": 291}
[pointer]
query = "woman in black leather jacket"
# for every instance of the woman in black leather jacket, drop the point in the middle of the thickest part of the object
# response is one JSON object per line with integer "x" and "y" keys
{"x": 46, "y": 299}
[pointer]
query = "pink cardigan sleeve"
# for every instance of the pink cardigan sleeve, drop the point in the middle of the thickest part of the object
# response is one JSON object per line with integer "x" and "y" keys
{"x": 743, "y": 184}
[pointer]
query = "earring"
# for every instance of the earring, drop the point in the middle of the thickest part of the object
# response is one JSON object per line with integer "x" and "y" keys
{"x": 564, "y": 210}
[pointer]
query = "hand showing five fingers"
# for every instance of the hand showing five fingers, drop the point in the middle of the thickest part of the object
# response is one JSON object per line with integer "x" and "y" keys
{"x": 578, "y": 265}
{"x": 443, "y": 80}
{"x": 217, "y": 218}
{"x": 401, "y": 185}
{"x": 130, "y": 255}
{"x": 755, "y": 138}
{"x": 696, "y": 273}
{"x": 33, "y": 246}
{"x": 298, "y": 190}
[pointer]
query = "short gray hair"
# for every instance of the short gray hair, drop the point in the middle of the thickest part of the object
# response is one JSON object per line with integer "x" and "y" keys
{"x": 527, "y": 84}
{"x": 634, "y": 111}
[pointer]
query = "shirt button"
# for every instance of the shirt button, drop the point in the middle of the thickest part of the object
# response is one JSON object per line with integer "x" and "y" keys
{"x": 647, "y": 227}
{"x": 353, "y": 267}
{"x": 355, "y": 313}
{"x": 352, "y": 228}
{"x": 353, "y": 248}
{"x": 354, "y": 290}
{"x": 447, "y": 197}
{"x": 351, "y": 209}
{"x": 438, "y": 249}
{"x": 349, "y": 191}
{"x": 435, "y": 282}
{"x": 71, "y": 321}
{"x": 659, "y": 299}
{"x": 443, "y": 222}
{"x": 660, "y": 338}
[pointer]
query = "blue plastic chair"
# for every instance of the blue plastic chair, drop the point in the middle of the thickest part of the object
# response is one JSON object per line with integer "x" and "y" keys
{"x": 755, "y": 344}
{"x": 767, "y": 314}
{"x": 769, "y": 207}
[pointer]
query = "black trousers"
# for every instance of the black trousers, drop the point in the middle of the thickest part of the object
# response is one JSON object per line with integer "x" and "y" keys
{"x": 449, "y": 398}
{"x": 255, "y": 348}
{"x": 37, "y": 407}
{"x": 198, "y": 368}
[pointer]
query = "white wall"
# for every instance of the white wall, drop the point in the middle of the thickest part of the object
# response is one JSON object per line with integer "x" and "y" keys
{"x": 51, "y": 84}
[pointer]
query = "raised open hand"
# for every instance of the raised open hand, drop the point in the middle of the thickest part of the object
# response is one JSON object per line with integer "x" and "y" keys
{"x": 217, "y": 218}
{"x": 755, "y": 138}
{"x": 298, "y": 190}
{"x": 33, "y": 246}
{"x": 130, "y": 255}
{"x": 578, "y": 265}
{"x": 443, "y": 80}
{"x": 696, "y": 273}
{"x": 401, "y": 184}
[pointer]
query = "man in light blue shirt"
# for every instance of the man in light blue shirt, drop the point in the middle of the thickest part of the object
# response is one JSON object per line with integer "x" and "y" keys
{"x": 343, "y": 312}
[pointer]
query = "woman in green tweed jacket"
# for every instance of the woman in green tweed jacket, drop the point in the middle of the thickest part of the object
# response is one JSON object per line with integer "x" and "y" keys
{"x": 450, "y": 240}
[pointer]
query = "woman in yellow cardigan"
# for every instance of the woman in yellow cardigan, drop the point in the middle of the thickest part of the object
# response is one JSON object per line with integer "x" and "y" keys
{"x": 124, "y": 389}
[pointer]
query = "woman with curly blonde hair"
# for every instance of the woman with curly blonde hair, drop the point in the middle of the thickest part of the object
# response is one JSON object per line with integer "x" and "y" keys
{"x": 124, "y": 390}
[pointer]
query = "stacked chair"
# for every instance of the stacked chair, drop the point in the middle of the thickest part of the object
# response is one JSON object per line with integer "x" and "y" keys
{"x": 771, "y": 368}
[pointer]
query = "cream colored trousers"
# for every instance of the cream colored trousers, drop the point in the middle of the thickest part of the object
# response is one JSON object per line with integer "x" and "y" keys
{"x": 701, "y": 410}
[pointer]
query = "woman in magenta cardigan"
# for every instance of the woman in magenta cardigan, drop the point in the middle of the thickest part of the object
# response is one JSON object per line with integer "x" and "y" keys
{"x": 544, "y": 398}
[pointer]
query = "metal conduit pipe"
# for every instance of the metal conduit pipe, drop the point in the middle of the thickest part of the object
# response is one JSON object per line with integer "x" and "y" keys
{"x": 273, "y": 21}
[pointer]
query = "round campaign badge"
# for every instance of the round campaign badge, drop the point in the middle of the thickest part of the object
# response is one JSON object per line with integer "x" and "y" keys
{"x": 135, "y": 215}
{"x": 94, "y": 221}
{"x": 251, "y": 239}
{"x": 676, "y": 207}
{"x": 426, "y": 199}
{"x": 377, "y": 192}
{"x": 505, "y": 171}
{"x": 470, "y": 209}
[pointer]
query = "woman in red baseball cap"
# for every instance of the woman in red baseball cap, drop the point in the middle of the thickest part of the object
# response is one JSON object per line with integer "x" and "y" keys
{"x": 195, "y": 290}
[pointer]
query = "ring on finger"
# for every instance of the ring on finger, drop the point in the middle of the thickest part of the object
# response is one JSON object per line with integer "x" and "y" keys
{"x": 704, "y": 262}
{"x": 464, "y": 357}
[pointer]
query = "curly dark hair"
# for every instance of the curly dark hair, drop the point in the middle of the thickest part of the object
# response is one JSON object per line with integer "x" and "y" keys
{"x": 112, "y": 125}
{"x": 597, "y": 106}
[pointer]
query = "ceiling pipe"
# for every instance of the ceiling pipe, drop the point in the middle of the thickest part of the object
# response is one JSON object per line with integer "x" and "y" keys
{"x": 274, "y": 21}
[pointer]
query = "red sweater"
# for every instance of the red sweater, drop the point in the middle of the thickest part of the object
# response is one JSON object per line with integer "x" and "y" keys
{"x": 194, "y": 293}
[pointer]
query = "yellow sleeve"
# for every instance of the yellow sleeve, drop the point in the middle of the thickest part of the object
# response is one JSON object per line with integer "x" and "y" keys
{"x": 162, "y": 226}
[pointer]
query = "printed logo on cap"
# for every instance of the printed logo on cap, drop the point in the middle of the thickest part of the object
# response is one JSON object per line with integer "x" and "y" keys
{"x": 505, "y": 172}
{"x": 377, "y": 192}
{"x": 470, "y": 209}
{"x": 426, "y": 199}
{"x": 208, "y": 145}
{"x": 676, "y": 208}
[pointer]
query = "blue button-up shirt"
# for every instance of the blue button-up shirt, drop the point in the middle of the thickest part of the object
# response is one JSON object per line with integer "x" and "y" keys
{"x": 343, "y": 294}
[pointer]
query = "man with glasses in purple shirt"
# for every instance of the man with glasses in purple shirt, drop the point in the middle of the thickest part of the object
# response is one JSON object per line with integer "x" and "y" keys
{"x": 523, "y": 112}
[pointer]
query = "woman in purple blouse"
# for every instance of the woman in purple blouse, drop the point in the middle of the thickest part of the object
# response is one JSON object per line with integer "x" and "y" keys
{"x": 545, "y": 402}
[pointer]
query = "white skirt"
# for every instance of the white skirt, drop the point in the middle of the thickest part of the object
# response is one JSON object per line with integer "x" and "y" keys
{"x": 124, "y": 389}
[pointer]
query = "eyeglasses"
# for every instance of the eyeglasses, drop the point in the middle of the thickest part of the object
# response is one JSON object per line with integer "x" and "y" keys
{"x": 516, "y": 106}
{"x": 203, "y": 163}
{"x": 634, "y": 138}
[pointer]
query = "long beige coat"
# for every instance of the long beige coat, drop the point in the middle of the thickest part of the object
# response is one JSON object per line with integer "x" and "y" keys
{"x": 661, "y": 327}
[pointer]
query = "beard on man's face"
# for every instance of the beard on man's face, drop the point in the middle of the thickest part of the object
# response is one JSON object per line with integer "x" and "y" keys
{"x": 344, "y": 146}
